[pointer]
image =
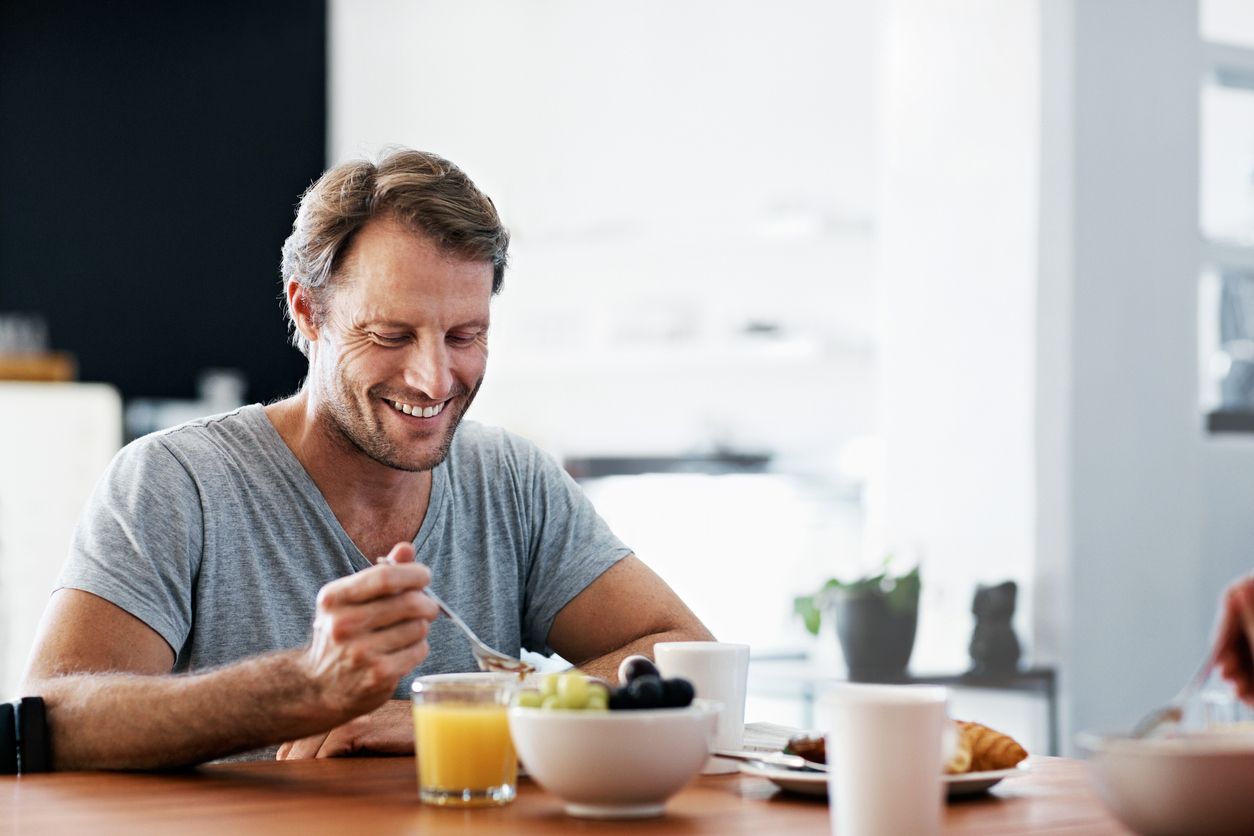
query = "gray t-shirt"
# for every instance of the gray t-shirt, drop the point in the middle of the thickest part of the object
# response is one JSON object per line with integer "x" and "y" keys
{"x": 213, "y": 534}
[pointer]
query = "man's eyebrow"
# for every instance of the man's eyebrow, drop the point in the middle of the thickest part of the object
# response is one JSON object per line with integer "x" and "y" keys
{"x": 405, "y": 326}
{"x": 370, "y": 322}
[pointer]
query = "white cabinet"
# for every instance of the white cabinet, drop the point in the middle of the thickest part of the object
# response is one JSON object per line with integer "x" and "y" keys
{"x": 55, "y": 441}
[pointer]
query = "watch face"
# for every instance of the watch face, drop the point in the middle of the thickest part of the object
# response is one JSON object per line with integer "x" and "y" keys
{"x": 31, "y": 723}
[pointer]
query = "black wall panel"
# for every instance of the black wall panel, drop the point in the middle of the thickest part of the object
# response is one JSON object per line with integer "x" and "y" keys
{"x": 151, "y": 154}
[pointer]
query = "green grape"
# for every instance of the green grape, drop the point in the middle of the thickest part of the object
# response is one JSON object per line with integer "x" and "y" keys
{"x": 530, "y": 699}
{"x": 572, "y": 690}
{"x": 549, "y": 703}
{"x": 598, "y": 700}
{"x": 548, "y": 686}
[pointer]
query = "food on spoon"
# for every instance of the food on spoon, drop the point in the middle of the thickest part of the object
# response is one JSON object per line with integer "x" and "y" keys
{"x": 634, "y": 667}
{"x": 979, "y": 749}
{"x": 989, "y": 748}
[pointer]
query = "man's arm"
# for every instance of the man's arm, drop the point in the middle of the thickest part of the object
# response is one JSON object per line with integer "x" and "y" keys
{"x": 625, "y": 611}
{"x": 112, "y": 703}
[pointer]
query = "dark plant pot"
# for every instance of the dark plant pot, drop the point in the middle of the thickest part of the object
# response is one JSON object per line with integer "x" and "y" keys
{"x": 876, "y": 638}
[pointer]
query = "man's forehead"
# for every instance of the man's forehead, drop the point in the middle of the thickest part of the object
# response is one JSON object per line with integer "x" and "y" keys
{"x": 393, "y": 273}
{"x": 385, "y": 238}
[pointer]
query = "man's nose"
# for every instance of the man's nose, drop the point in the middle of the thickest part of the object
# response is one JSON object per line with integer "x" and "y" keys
{"x": 427, "y": 370}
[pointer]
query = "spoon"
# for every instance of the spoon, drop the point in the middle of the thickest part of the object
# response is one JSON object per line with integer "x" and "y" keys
{"x": 488, "y": 659}
{"x": 1173, "y": 711}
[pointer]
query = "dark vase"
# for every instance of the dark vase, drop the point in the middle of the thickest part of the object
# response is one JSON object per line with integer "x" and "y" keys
{"x": 875, "y": 636}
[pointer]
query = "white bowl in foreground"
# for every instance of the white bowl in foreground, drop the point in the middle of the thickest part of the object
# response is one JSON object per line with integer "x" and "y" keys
{"x": 1198, "y": 784}
{"x": 614, "y": 764}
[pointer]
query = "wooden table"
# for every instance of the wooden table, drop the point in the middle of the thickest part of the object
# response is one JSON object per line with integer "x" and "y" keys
{"x": 379, "y": 796}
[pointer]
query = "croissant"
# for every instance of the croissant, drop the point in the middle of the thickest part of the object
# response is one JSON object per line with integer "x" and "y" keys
{"x": 986, "y": 749}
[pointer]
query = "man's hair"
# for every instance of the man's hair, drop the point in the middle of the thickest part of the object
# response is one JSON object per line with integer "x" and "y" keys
{"x": 426, "y": 193}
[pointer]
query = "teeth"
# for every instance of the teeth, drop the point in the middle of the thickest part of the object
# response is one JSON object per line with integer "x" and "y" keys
{"x": 419, "y": 411}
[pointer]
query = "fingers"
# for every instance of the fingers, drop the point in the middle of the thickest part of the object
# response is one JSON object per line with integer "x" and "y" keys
{"x": 1235, "y": 637}
{"x": 400, "y": 636}
{"x": 402, "y": 553}
{"x": 376, "y": 582}
{"x": 306, "y": 747}
{"x": 347, "y": 621}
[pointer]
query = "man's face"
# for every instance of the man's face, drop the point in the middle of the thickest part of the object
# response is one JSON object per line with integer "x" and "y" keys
{"x": 403, "y": 346}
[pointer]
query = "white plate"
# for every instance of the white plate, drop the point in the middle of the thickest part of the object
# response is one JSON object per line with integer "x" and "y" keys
{"x": 815, "y": 783}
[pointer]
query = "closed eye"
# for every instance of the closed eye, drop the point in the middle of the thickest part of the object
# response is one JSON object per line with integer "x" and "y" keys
{"x": 388, "y": 339}
{"x": 463, "y": 339}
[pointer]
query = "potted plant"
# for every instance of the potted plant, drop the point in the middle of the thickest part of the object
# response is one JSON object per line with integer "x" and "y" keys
{"x": 876, "y": 616}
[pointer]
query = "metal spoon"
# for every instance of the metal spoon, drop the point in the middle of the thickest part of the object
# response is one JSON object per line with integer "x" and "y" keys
{"x": 488, "y": 659}
{"x": 1173, "y": 711}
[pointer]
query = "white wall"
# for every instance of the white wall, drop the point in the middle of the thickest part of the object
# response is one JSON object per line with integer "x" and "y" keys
{"x": 1138, "y": 562}
{"x": 957, "y": 274}
{"x": 670, "y": 172}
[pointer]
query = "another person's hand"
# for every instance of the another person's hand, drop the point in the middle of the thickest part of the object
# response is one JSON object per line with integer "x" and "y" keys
{"x": 369, "y": 630}
{"x": 388, "y": 730}
{"x": 1235, "y": 637}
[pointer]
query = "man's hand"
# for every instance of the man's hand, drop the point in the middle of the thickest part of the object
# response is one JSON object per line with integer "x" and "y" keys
{"x": 388, "y": 730}
{"x": 1235, "y": 638}
{"x": 369, "y": 630}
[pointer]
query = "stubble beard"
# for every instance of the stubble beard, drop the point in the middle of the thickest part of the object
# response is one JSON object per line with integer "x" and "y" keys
{"x": 356, "y": 422}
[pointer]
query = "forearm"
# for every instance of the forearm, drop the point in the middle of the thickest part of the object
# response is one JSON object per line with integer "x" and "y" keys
{"x": 126, "y": 721}
{"x": 606, "y": 666}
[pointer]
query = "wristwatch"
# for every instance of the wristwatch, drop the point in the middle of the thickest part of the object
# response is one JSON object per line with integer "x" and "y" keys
{"x": 8, "y": 740}
{"x": 25, "y": 747}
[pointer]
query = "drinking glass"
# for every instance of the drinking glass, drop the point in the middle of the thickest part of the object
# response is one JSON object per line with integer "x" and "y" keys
{"x": 462, "y": 744}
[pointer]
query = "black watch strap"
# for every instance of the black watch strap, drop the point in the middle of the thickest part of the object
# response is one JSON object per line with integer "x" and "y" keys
{"x": 33, "y": 746}
{"x": 8, "y": 740}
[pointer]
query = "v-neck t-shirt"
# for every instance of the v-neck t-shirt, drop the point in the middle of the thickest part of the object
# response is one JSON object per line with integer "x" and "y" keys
{"x": 214, "y": 535}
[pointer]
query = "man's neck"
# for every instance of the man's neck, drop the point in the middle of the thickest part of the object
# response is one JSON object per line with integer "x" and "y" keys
{"x": 360, "y": 491}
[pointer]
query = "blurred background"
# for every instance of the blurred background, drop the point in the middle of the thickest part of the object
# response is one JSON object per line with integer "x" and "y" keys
{"x": 794, "y": 287}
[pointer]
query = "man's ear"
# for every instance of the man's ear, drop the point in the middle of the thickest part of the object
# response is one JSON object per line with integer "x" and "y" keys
{"x": 301, "y": 307}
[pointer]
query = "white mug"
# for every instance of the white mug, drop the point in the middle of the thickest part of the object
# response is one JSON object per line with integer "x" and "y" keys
{"x": 718, "y": 671}
{"x": 885, "y": 754}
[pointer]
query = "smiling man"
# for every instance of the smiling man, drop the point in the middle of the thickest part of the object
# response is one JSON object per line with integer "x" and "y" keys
{"x": 222, "y": 594}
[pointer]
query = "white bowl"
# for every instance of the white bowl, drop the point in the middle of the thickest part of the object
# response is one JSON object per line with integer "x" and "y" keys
{"x": 614, "y": 764}
{"x": 1197, "y": 784}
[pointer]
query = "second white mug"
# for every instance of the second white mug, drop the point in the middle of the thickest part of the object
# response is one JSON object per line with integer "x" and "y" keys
{"x": 718, "y": 671}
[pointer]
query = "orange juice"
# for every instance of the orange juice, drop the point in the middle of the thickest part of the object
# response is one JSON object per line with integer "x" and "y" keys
{"x": 464, "y": 752}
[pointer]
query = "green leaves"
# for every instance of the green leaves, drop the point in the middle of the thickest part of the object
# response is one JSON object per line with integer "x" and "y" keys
{"x": 806, "y": 607}
{"x": 901, "y": 593}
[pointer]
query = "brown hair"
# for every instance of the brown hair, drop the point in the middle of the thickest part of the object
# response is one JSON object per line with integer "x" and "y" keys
{"x": 427, "y": 193}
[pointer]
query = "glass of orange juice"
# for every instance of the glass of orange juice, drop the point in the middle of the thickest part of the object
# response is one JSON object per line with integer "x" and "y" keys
{"x": 462, "y": 744}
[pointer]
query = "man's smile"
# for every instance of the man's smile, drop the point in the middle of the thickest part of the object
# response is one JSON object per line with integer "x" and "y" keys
{"x": 415, "y": 410}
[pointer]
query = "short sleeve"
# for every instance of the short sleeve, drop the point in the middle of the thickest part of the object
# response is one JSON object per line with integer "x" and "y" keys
{"x": 139, "y": 541}
{"x": 570, "y": 547}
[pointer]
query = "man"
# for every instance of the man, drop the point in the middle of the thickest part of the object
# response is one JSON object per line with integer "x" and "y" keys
{"x": 209, "y": 550}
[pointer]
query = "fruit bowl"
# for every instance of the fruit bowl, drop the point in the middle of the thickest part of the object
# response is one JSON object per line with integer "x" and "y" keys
{"x": 1198, "y": 783}
{"x": 614, "y": 764}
